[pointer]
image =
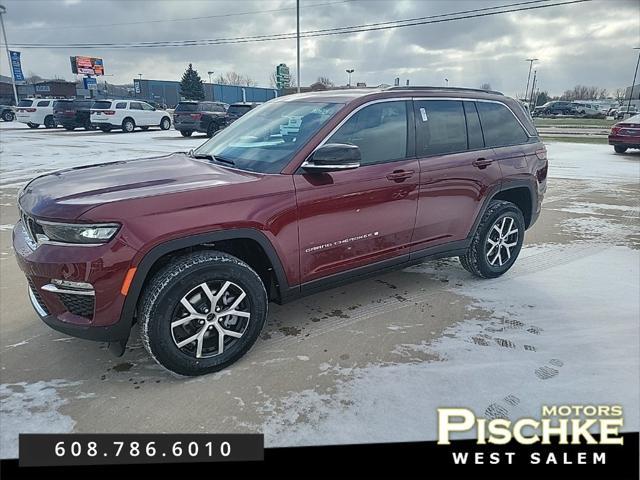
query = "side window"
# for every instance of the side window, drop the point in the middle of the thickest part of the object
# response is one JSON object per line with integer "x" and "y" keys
{"x": 379, "y": 130}
{"x": 121, "y": 105}
{"x": 146, "y": 106}
{"x": 440, "y": 127}
{"x": 43, "y": 103}
{"x": 135, "y": 106}
{"x": 474, "y": 130}
{"x": 499, "y": 125}
{"x": 217, "y": 108}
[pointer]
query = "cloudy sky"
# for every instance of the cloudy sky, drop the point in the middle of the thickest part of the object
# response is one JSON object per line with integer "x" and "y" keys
{"x": 588, "y": 43}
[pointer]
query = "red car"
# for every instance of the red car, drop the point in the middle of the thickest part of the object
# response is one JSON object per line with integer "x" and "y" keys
{"x": 194, "y": 246}
{"x": 625, "y": 134}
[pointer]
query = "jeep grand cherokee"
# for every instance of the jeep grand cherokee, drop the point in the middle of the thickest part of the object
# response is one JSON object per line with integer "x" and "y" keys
{"x": 194, "y": 246}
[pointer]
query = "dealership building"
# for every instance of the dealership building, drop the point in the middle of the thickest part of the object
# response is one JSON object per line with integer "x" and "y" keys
{"x": 168, "y": 92}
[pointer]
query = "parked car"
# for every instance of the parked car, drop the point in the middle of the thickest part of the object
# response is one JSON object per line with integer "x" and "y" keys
{"x": 72, "y": 114}
{"x": 35, "y": 112}
{"x": 126, "y": 115}
{"x": 589, "y": 110}
{"x": 625, "y": 134}
{"x": 193, "y": 246}
{"x": 624, "y": 110}
{"x": 236, "y": 110}
{"x": 7, "y": 113}
{"x": 207, "y": 117}
{"x": 555, "y": 107}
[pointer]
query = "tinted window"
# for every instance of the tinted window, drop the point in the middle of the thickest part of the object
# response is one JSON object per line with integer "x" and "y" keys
{"x": 121, "y": 105}
{"x": 474, "y": 131}
{"x": 217, "y": 108}
{"x": 186, "y": 107}
{"x": 43, "y": 103}
{"x": 60, "y": 104}
{"x": 101, "y": 105}
{"x": 440, "y": 127}
{"x": 83, "y": 104}
{"x": 499, "y": 125}
{"x": 25, "y": 103}
{"x": 238, "y": 109}
{"x": 379, "y": 130}
{"x": 135, "y": 106}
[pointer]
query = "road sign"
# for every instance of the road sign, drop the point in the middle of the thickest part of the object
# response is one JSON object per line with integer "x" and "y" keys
{"x": 283, "y": 77}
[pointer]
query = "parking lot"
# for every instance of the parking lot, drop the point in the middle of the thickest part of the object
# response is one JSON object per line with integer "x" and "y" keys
{"x": 368, "y": 362}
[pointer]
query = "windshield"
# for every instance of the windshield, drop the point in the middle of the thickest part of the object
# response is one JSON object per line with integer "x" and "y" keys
{"x": 265, "y": 139}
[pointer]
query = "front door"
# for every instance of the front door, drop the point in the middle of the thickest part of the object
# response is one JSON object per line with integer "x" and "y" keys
{"x": 352, "y": 218}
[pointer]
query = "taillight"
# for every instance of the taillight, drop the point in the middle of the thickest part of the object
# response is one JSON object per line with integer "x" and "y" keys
{"x": 196, "y": 116}
{"x": 30, "y": 110}
{"x": 109, "y": 112}
{"x": 615, "y": 129}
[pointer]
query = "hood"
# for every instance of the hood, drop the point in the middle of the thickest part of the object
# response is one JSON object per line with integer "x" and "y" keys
{"x": 67, "y": 194}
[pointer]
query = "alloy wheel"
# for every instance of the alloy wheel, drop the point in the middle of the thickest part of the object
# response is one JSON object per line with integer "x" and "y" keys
{"x": 210, "y": 318}
{"x": 502, "y": 238}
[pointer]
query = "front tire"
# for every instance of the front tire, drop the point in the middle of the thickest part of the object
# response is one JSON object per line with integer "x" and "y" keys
{"x": 185, "y": 324}
{"x": 619, "y": 148}
{"x": 128, "y": 125}
{"x": 497, "y": 241}
{"x": 165, "y": 123}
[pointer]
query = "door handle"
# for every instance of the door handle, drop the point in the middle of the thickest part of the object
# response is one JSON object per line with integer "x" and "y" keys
{"x": 482, "y": 163}
{"x": 400, "y": 175}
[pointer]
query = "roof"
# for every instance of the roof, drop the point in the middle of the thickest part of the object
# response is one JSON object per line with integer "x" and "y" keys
{"x": 350, "y": 94}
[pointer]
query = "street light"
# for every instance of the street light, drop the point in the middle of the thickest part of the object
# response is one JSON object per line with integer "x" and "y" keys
{"x": 446, "y": 82}
{"x": 349, "y": 71}
{"x": 530, "y": 60}
{"x": 632, "y": 83}
{"x": 210, "y": 73}
{"x": 140, "y": 76}
{"x": 3, "y": 10}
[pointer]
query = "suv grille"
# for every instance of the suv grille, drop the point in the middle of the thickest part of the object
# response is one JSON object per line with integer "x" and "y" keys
{"x": 37, "y": 296}
{"x": 81, "y": 305}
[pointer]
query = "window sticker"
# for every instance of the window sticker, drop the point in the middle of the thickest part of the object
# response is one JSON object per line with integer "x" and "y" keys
{"x": 423, "y": 113}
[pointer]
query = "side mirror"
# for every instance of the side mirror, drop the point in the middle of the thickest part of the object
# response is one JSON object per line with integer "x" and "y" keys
{"x": 333, "y": 157}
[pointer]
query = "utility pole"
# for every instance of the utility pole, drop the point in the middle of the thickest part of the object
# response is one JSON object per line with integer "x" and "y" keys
{"x": 298, "y": 42}
{"x": 533, "y": 88}
{"x": 3, "y": 10}
{"x": 632, "y": 83}
{"x": 530, "y": 60}
{"x": 446, "y": 82}
{"x": 210, "y": 73}
{"x": 349, "y": 71}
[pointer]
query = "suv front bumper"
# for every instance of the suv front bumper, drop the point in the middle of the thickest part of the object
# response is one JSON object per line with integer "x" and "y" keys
{"x": 93, "y": 317}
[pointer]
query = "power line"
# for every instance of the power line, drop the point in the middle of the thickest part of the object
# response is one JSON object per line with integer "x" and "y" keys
{"x": 477, "y": 13}
{"x": 186, "y": 19}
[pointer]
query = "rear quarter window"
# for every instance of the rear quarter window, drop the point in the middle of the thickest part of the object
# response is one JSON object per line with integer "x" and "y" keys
{"x": 102, "y": 105}
{"x": 25, "y": 103}
{"x": 499, "y": 125}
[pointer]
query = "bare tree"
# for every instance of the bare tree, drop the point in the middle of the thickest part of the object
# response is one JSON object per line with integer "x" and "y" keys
{"x": 583, "y": 92}
{"x": 619, "y": 94}
{"x": 326, "y": 81}
{"x": 233, "y": 78}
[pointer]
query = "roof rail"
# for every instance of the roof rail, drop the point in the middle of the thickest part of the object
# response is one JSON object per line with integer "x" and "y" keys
{"x": 452, "y": 89}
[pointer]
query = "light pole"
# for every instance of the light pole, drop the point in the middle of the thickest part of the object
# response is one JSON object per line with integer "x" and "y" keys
{"x": 533, "y": 87}
{"x": 210, "y": 73}
{"x": 3, "y": 10}
{"x": 140, "y": 76}
{"x": 349, "y": 71}
{"x": 298, "y": 43}
{"x": 530, "y": 60}
{"x": 446, "y": 82}
{"x": 632, "y": 83}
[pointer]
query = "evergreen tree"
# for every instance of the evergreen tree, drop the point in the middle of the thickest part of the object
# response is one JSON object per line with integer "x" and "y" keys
{"x": 191, "y": 85}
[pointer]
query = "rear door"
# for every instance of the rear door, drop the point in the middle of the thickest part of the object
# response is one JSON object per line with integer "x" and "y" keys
{"x": 355, "y": 218}
{"x": 456, "y": 172}
{"x": 137, "y": 113}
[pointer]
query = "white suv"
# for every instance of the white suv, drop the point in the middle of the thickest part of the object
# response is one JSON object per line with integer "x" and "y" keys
{"x": 35, "y": 112}
{"x": 127, "y": 115}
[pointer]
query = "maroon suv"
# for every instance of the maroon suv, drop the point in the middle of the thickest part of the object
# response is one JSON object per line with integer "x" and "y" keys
{"x": 303, "y": 193}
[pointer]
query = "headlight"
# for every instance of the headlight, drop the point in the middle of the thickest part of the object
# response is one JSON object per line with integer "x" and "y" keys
{"x": 78, "y": 233}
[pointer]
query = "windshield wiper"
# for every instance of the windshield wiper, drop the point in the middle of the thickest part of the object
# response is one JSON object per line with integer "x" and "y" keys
{"x": 215, "y": 158}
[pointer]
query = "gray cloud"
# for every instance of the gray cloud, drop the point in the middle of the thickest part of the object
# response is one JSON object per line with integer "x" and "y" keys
{"x": 587, "y": 43}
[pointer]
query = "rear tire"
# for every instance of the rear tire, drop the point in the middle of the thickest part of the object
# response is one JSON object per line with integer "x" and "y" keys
{"x": 8, "y": 116}
{"x": 165, "y": 123}
{"x": 497, "y": 241}
{"x": 208, "y": 340}
{"x": 128, "y": 125}
{"x": 619, "y": 148}
{"x": 49, "y": 122}
{"x": 186, "y": 133}
{"x": 212, "y": 129}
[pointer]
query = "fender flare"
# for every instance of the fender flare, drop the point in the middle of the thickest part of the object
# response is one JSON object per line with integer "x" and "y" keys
{"x": 153, "y": 255}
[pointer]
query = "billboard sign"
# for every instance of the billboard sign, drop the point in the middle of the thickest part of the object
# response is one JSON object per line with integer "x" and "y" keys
{"x": 16, "y": 66}
{"x": 87, "y": 65}
{"x": 43, "y": 88}
{"x": 90, "y": 83}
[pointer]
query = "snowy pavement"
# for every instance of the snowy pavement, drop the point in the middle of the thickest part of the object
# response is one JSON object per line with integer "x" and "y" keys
{"x": 368, "y": 362}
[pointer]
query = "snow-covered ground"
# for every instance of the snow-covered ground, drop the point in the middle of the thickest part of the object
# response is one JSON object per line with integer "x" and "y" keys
{"x": 369, "y": 362}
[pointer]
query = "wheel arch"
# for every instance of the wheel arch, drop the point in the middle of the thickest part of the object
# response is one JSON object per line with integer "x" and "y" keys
{"x": 250, "y": 245}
